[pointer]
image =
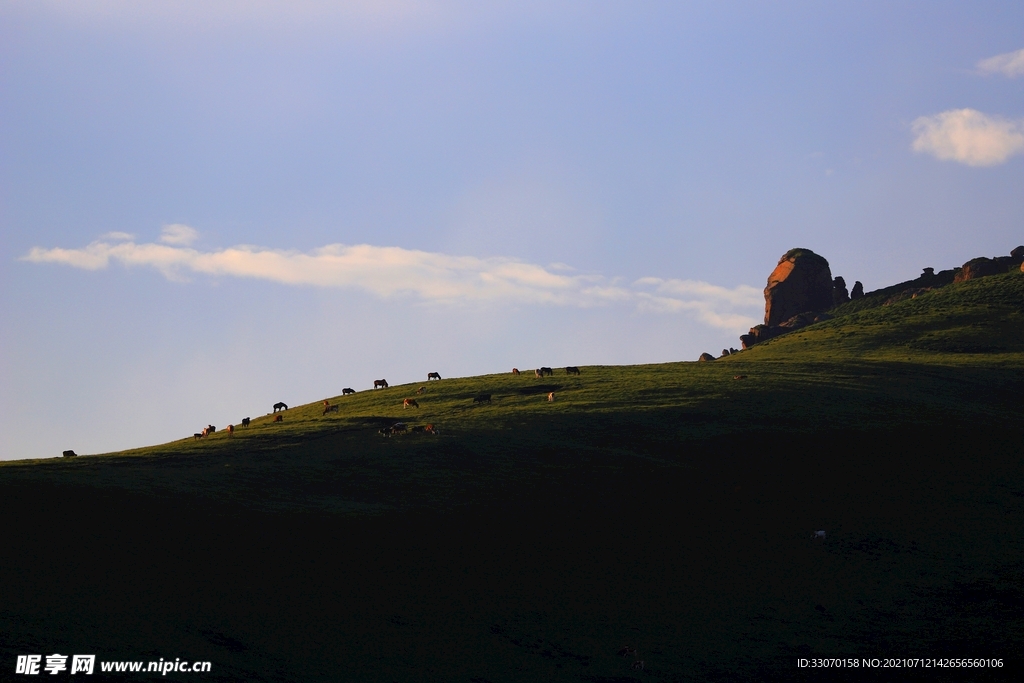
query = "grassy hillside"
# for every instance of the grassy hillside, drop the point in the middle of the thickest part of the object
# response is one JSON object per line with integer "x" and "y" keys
{"x": 663, "y": 507}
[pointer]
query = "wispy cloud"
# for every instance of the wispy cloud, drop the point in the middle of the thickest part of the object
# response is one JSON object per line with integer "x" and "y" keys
{"x": 1010, "y": 64}
{"x": 178, "y": 234}
{"x": 968, "y": 136}
{"x": 426, "y": 276}
{"x": 117, "y": 236}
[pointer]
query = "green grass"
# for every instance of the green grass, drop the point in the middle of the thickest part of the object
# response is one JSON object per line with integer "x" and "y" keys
{"x": 667, "y": 505}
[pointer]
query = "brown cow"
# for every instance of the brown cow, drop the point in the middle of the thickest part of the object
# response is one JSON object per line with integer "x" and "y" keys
{"x": 551, "y": 397}
{"x": 410, "y": 402}
{"x": 430, "y": 429}
{"x": 515, "y": 372}
{"x": 279, "y": 418}
{"x": 329, "y": 408}
{"x": 421, "y": 390}
{"x": 231, "y": 430}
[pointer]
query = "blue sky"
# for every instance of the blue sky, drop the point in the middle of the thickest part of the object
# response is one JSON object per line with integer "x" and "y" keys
{"x": 206, "y": 208}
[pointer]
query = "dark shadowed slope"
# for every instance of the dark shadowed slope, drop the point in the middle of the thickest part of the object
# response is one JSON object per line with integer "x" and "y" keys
{"x": 666, "y": 508}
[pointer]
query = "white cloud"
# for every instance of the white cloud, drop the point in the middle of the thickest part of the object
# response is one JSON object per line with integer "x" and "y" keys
{"x": 178, "y": 234}
{"x": 426, "y": 276}
{"x": 117, "y": 236}
{"x": 968, "y": 136}
{"x": 1010, "y": 64}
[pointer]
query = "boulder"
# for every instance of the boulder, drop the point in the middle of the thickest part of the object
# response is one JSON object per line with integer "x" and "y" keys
{"x": 1018, "y": 254}
{"x": 705, "y": 357}
{"x": 858, "y": 290}
{"x": 983, "y": 267}
{"x": 839, "y": 293}
{"x": 800, "y": 282}
{"x": 725, "y": 352}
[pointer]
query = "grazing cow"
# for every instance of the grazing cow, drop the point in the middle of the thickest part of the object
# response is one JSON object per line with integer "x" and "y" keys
{"x": 638, "y": 665}
{"x": 430, "y": 429}
{"x": 433, "y": 375}
{"x": 546, "y": 371}
{"x": 70, "y": 454}
{"x": 819, "y": 535}
{"x": 515, "y": 372}
{"x": 398, "y": 428}
{"x": 538, "y": 373}
{"x": 410, "y": 402}
{"x": 421, "y": 390}
{"x": 279, "y": 418}
{"x": 245, "y": 422}
{"x": 551, "y": 397}
{"x": 347, "y": 390}
{"x": 280, "y": 406}
{"x": 417, "y": 428}
{"x": 380, "y": 384}
{"x": 572, "y": 370}
{"x": 482, "y": 398}
{"x": 197, "y": 436}
{"x": 330, "y": 409}
{"x": 739, "y": 376}
{"x": 231, "y": 430}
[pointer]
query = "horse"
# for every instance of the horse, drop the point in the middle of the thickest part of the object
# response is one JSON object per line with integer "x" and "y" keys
{"x": 546, "y": 371}
{"x": 279, "y": 418}
{"x": 280, "y": 405}
{"x": 70, "y": 454}
{"x": 347, "y": 390}
{"x": 572, "y": 370}
{"x": 410, "y": 402}
{"x": 421, "y": 390}
{"x": 380, "y": 384}
{"x": 433, "y": 375}
{"x": 245, "y": 422}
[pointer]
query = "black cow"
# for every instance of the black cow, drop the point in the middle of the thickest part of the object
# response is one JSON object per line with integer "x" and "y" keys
{"x": 347, "y": 390}
{"x": 572, "y": 370}
{"x": 280, "y": 405}
{"x": 482, "y": 398}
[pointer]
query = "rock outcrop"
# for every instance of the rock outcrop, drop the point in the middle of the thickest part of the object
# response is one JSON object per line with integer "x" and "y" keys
{"x": 858, "y": 290}
{"x": 800, "y": 282}
{"x": 839, "y": 293}
{"x": 983, "y": 267}
{"x": 705, "y": 357}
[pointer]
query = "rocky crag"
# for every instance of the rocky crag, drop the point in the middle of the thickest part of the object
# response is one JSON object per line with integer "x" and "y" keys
{"x": 801, "y": 290}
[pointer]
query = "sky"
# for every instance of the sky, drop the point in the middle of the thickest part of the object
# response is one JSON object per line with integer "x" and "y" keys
{"x": 206, "y": 208}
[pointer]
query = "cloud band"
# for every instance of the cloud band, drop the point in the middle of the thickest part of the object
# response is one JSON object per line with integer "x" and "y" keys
{"x": 427, "y": 276}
